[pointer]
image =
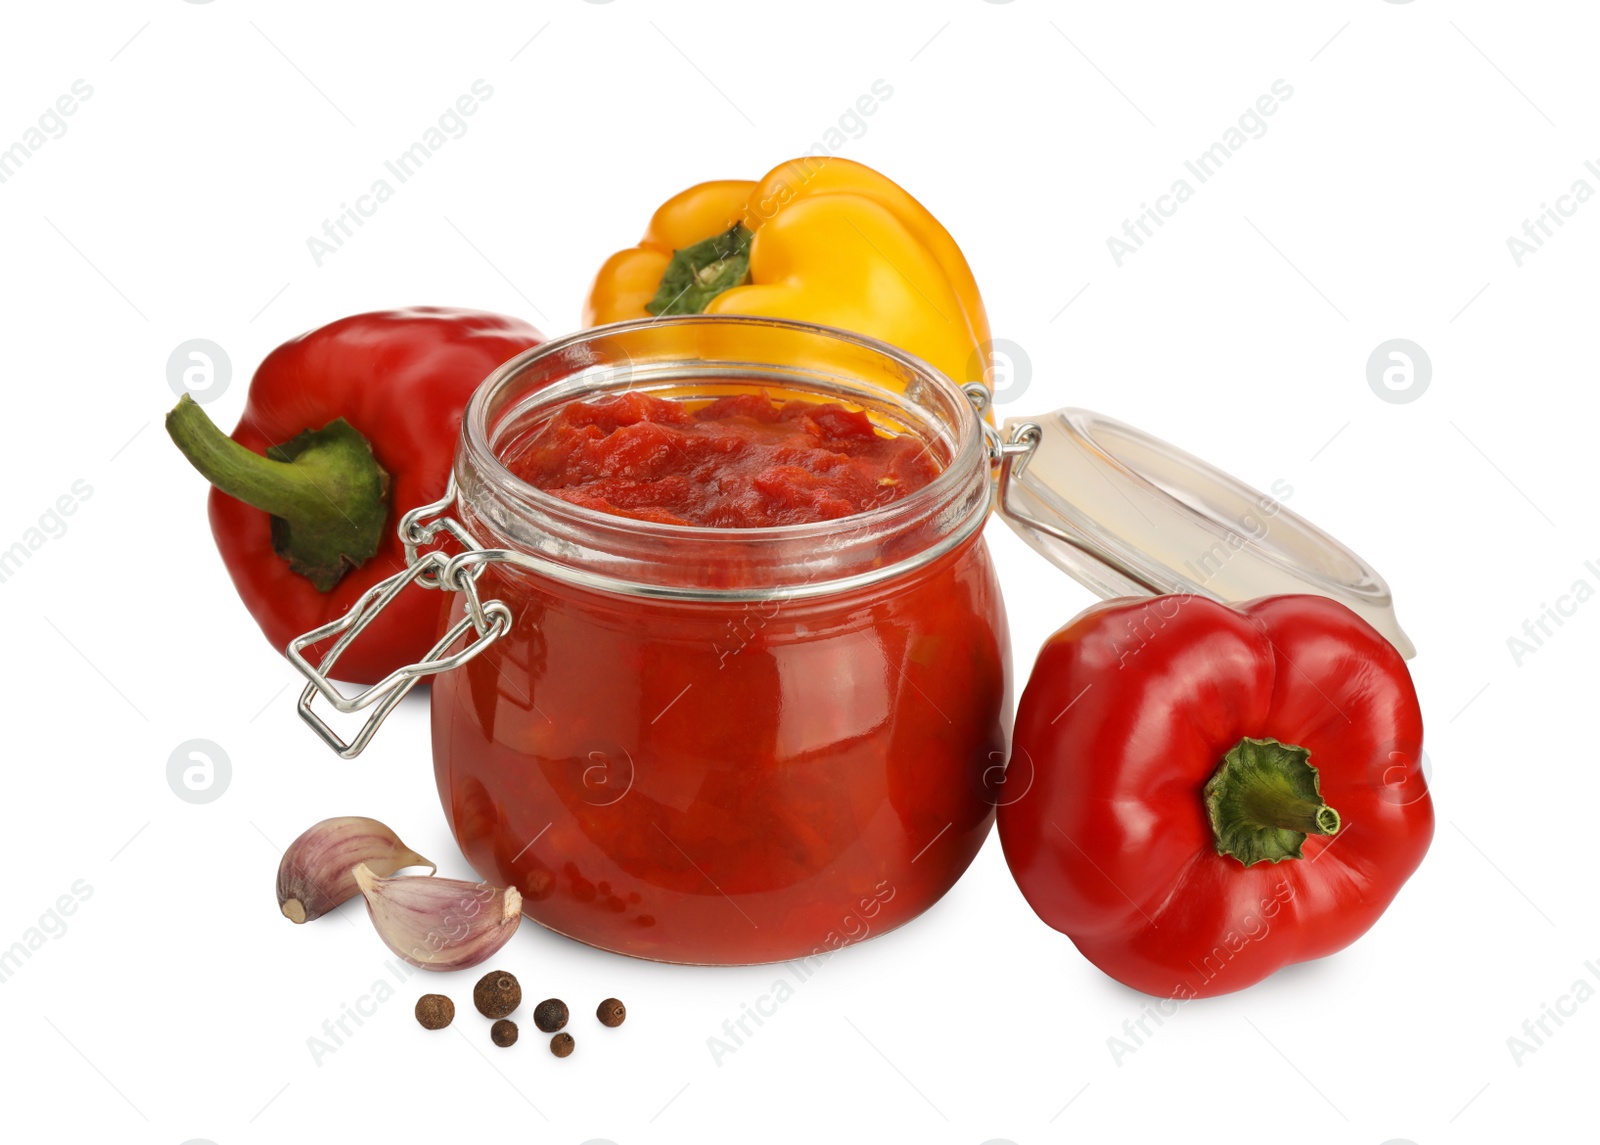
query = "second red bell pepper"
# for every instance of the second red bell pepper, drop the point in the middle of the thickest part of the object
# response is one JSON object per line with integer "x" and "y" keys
{"x": 1199, "y": 794}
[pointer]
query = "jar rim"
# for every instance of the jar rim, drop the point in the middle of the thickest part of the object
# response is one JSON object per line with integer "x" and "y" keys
{"x": 968, "y": 454}
{"x": 476, "y": 437}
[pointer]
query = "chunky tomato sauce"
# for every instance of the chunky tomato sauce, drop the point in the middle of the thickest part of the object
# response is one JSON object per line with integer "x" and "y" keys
{"x": 743, "y": 461}
{"x": 729, "y": 781}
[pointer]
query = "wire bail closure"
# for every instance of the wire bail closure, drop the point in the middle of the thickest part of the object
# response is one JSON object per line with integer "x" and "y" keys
{"x": 435, "y": 569}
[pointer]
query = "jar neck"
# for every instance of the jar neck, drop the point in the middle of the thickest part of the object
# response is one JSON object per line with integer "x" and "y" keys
{"x": 701, "y": 357}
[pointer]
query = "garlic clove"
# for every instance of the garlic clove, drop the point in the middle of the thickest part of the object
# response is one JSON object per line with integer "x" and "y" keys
{"x": 316, "y": 873}
{"x": 440, "y": 924}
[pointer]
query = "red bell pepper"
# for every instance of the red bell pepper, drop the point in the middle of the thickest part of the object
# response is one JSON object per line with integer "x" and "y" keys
{"x": 342, "y": 426}
{"x": 1199, "y": 794}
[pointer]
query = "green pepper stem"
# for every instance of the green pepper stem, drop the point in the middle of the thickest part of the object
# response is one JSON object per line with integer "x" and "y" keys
{"x": 281, "y": 488}
{"x": 1271, "y": 808}
{"x": 699, "y": 273}
{"x": 1264, "y": 800}
{"x": 324, "y": 489}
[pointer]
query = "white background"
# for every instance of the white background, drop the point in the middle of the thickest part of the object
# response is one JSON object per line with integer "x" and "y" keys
{"x": 177, "y": 1004}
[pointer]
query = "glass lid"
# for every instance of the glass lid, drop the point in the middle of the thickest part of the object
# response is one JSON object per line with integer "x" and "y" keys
{"x": 1127, "y": 514}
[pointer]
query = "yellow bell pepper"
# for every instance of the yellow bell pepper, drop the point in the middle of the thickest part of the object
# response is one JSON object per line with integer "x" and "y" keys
{"x": 818, "y": 240}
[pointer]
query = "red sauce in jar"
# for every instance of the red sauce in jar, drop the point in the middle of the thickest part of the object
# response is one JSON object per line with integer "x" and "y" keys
{"x": 728, "y": 781}
{"x": 743, "y": 461}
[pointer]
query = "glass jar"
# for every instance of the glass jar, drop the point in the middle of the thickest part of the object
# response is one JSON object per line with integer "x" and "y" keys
{"x": 716, "y": 745}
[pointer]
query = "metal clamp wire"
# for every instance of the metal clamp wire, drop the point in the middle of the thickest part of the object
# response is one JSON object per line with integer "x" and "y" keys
{"x": 486, "y": 621}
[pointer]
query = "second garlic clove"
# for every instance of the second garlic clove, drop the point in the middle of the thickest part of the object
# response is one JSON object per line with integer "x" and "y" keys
{"x": 440, "y": 924}
{"x": 317, "y": 871}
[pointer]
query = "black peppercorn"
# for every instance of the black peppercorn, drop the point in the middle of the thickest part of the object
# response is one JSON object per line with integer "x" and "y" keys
{"x": 611, "y": 1012}
{"x": 497, "y": 994}
{"x": 503, "y": 1033}
{"x": 550, "y": 1015}
{"x": 561, "y": 1045}
{"x": 435, "y": 1011}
